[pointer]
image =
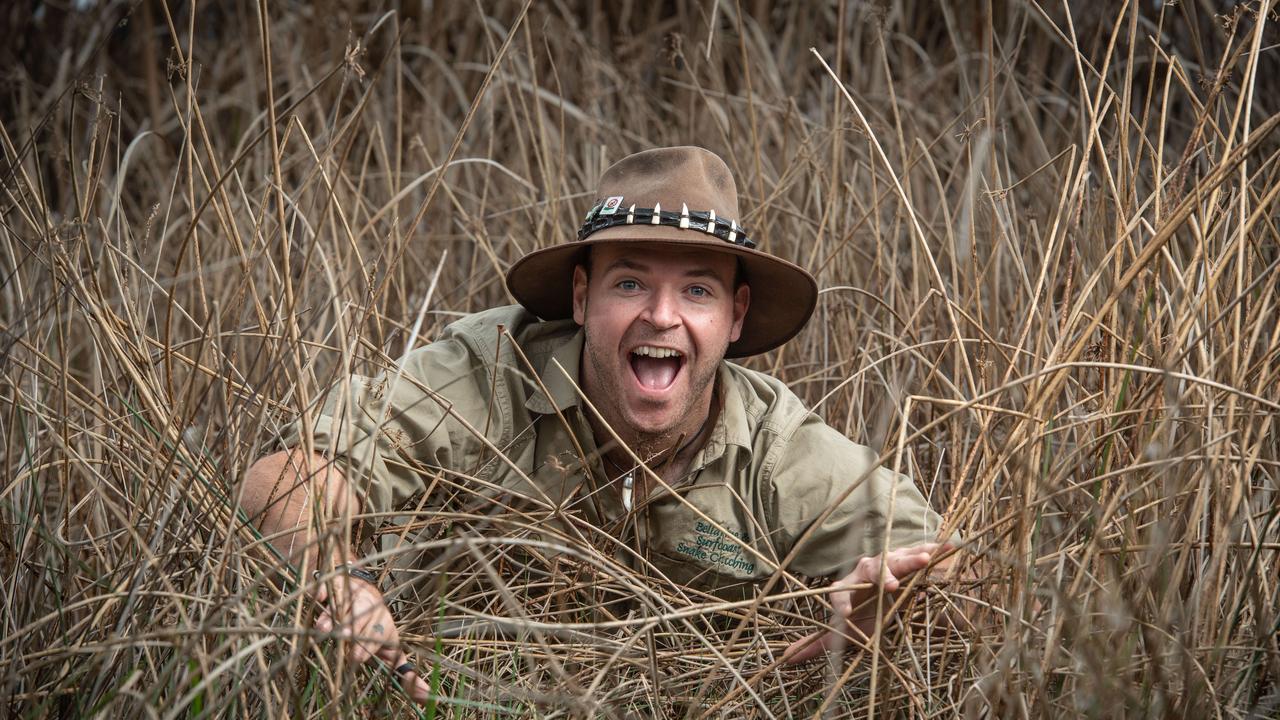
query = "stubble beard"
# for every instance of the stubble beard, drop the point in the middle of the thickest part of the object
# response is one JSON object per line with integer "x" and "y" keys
{"x": 611, "y": 405}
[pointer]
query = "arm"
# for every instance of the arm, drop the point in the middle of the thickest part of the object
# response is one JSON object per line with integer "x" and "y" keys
{"x": 286, "y": 494}
{"x": 834, "y": 505}
{"x": 417, "y": 413}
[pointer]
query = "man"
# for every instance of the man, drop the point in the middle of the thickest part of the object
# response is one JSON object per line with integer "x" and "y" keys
{"x": 616, "y": 411}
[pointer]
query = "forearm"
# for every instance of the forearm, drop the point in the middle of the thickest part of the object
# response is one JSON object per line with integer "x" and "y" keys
{"x": 299, "y": 502}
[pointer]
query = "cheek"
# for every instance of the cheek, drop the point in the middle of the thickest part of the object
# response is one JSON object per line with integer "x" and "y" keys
{"x": 716, "y": 328}
{"x": 607, "y": 324}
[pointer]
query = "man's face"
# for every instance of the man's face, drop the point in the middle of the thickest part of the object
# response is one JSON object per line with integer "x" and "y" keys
{"x": 657, "y": 324}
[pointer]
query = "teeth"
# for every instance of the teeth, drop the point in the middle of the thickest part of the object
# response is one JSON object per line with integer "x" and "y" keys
{"x": 656, "y": 352}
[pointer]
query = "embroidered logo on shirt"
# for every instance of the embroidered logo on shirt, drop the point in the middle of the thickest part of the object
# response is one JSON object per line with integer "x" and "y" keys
{"x": 714, "y": 547}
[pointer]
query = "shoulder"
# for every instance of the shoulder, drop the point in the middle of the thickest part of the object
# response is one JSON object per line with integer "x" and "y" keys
{"x": 773, "y": 414}
{"x": 482, "y": 333}
{"x": 770, "y": 405}
{"x": 472, "y": 344}
{"x": 786, "y": 436}
{"x": 479, "y": 331}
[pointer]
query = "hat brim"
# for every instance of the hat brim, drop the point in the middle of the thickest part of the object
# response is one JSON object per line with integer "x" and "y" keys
{"x": 783, "y": 295}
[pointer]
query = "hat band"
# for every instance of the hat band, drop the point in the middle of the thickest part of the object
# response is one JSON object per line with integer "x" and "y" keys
{"x": 600, "y": 218}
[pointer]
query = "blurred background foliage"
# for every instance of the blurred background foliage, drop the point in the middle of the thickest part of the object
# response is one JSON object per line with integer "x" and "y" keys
{"x": 1045, "y": 233}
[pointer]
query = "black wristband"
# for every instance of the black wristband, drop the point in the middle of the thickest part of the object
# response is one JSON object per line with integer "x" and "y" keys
{"x": 359, "y": 572}
{"x": 356, "y": 572}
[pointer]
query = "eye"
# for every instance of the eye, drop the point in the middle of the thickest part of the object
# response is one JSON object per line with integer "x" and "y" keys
{"x": 699, "y": 291}
{"x": 628, "y": 285}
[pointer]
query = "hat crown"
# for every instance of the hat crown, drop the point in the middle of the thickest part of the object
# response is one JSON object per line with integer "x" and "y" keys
{"x": 673, "y": 177}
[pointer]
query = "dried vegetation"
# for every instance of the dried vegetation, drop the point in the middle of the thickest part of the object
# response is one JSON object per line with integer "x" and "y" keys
{"x": 1047, "y": 238}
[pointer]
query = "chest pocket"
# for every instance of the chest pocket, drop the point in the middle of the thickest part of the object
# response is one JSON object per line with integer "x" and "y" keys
{"x": 692, "y": 551}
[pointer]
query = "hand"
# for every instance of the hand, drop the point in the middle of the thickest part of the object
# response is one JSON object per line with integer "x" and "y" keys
{"x": 367, "y": 625}
{"x": 853, "y": 597}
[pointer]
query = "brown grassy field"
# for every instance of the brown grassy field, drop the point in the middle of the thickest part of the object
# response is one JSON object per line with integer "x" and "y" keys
{"x": 1046, "y": 234}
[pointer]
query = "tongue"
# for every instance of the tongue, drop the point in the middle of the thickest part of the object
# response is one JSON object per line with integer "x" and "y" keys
{"x": 655, "y": 373}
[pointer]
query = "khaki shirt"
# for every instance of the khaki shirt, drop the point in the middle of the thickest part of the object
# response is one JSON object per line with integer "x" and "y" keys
{"x": 768, "y": 472}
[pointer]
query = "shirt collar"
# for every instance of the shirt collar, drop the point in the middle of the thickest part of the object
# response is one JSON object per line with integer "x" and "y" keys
{"x": 559, "y": 374}
{"x": 732, "y": 425}
{"x": 736, "y": 422}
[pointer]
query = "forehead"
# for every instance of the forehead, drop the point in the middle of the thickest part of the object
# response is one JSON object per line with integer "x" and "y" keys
{"x": 664, "y": 259}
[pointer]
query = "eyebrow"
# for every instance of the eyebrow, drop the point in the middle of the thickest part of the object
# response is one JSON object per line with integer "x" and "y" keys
{"x": 627, "y": 264}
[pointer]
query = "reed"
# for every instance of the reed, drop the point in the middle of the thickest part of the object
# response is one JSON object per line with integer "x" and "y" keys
{"x": 1046, "y": 235}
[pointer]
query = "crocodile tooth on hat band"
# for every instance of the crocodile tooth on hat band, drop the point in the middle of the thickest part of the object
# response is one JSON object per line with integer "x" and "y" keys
{"x": 728, "y": 230}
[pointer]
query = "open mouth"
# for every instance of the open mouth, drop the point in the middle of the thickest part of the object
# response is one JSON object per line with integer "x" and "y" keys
{"x": 655, "y": 367}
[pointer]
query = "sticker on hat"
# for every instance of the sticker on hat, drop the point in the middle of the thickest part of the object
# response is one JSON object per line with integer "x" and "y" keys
{"x": 611, "y": 205}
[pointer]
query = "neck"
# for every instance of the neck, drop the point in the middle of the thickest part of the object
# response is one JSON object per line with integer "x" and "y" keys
{"x": 668, "y": 449}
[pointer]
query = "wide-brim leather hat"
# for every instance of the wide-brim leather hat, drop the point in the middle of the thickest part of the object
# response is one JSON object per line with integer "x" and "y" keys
{"x": 680, "y": 197}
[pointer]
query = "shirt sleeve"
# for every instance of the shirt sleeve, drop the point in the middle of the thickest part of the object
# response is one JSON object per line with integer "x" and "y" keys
{"x": 874, "y": 509}
{"x": 383, "y": 430}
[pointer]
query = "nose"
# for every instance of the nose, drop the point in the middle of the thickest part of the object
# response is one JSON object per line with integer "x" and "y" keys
{"x": 662, "y": 311}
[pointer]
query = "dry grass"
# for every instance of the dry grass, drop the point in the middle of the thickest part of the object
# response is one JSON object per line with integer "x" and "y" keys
{"x": 1048, "y": 245}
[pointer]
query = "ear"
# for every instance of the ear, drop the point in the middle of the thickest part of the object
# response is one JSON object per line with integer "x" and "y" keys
{"x": 741, "y": 301}
{"x": 579, "y": 294}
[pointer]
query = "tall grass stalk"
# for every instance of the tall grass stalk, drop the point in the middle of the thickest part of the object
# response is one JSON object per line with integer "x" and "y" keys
{"x": 1046, "y": 236}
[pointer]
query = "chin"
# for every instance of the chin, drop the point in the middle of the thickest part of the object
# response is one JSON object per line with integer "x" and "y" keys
{"x": 651, "y": 425}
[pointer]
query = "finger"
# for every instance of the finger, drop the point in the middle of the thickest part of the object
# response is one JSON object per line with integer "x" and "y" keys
{"x": 324, "y": 623}
{"x": 934, "y": 549}
{"x": 866, "y": 572}
{"x": 352, "y": 644}
{"x": 418, "y": 688}
{"x": 862, "y": 604}
{"x": 816, "y": 644}
{"x": 888, "y": 581}
{"x": 842, "y": 604}
{"x": 907, "y": 559}
{"x": 804, "y": 649}
{"x": 392, "y": 655}
{"x": 407, "y": 674}
{"x": 359, "y": 652}
{"x": 374, "y": 637}
{"x": 367, "y": 646}
{"x": 878, "y": 571}
{"x": 901, "y": 565}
